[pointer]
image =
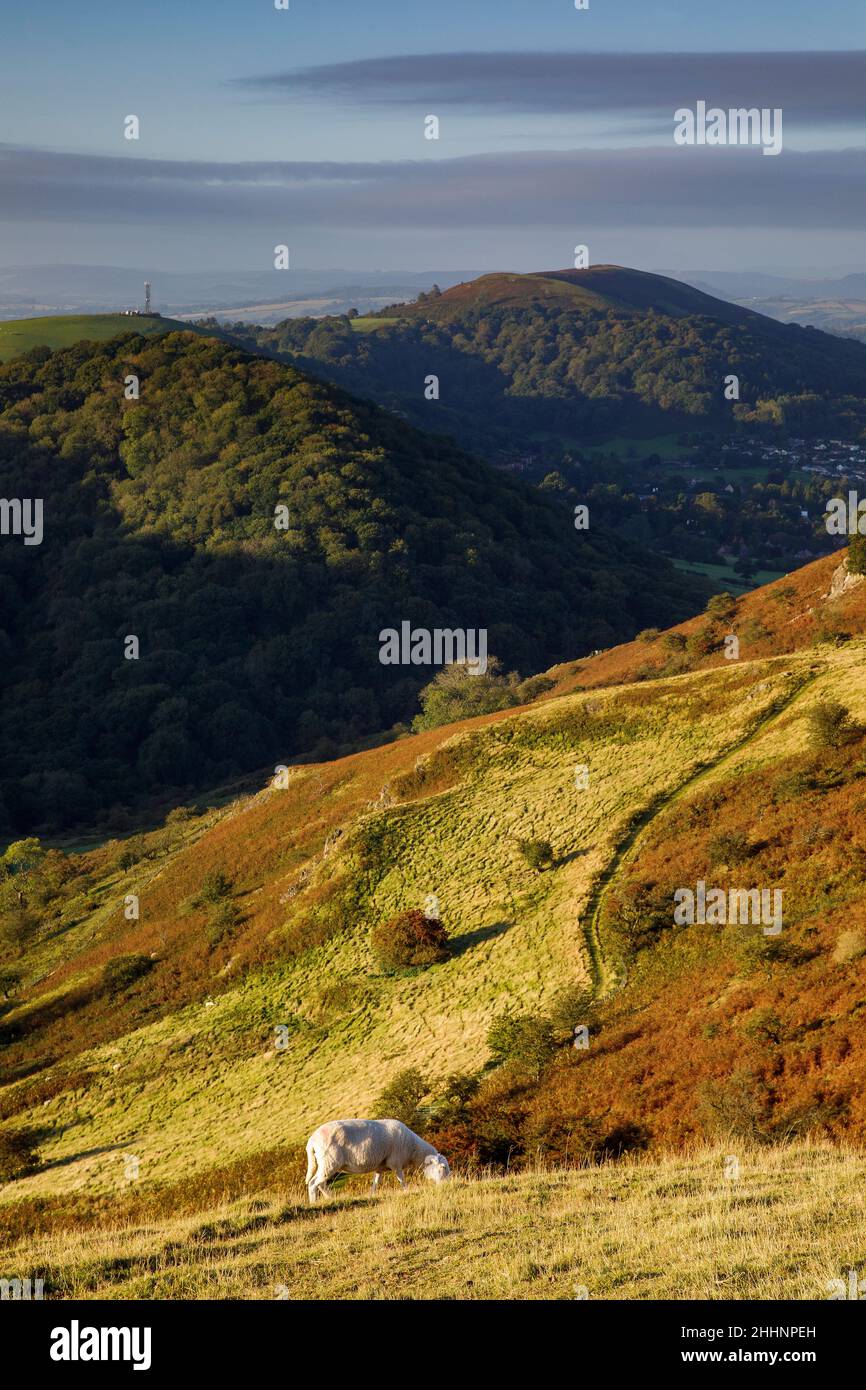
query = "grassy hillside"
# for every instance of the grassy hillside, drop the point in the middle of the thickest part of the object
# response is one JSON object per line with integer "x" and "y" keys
{"x": 183, "y": 1068}
{"x": 20, "y": 335}
{"x": 782, "y": 1229}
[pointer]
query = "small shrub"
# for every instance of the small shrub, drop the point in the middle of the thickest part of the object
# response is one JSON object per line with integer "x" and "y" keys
{"x": 570, "y": 1008}
{"x": 532, "y": 687}
{"x": 222, "y": 919}
{"x": 402, "y": 1097}
{"x": 857, "y": 555}
{"x": 674, "y": 642}
{"x": 648, "y": 634}
{"x": 123, "y": 971}
{"x": 737, "y": 1108}
{"x": 133, "y": 850}
{"x": 701, "y": 643}
{"x": 830, "y": 724}
{"x": 537, "y": 853}
{"x": 722, "y": 606}
{"x": 18, "y": 1153}
{"x": 409, "y": 939}
{"x": 764, "y": 1026}
{"x": 215, "y": 887}
{"x": 730, "y": 847}
{"x": 526, "y": 1039}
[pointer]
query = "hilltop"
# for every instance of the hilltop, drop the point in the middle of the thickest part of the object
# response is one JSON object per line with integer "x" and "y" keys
{"x": 18, "y": 336}
{"x": 598, "y": 289}
{"x": 259, "y": 1007}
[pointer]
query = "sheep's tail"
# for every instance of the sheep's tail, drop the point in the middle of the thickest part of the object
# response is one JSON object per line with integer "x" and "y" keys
{"x": 311, "y": 1162}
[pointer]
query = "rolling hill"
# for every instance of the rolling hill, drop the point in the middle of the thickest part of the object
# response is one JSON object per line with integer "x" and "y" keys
{"x": 18, "y": 336}
{"x": 554, "y": 360}
{"x": 257, "y": 642}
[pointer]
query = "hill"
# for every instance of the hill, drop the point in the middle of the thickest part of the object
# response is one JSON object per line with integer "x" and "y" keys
{"x": 18, "y": 336}
{"x": 257, "y": 642}
{"x": 551, "y": 361}
{"x": 255, "y": 1006}
{"x": 599, "y": 289}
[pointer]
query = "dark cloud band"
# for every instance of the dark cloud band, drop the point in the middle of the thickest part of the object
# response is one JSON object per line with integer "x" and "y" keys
{"x": 653, "y": 187}
{"x": 818, "y": 86}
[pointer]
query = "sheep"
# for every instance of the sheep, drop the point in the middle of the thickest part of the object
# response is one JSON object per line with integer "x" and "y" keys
{"x": 368, "y": 1146}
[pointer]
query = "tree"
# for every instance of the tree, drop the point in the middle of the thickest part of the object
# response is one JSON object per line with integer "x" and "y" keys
{"x": 402, "y": 1097}
{"x": 457, "y": 692}
{"x": 830, "y": 724}
{"x": 409, "y": 939}
{"x": 525, "y": 1038}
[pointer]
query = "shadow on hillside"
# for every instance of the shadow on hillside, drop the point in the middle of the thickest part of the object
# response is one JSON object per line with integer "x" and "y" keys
{"x": 461, "y": 944}
{"x": 569, "y": 858}
{"x": 84, "y": 1153}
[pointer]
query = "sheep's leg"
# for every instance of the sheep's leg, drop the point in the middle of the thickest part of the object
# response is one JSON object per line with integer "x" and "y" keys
{"x": 376, "y": 1177}
{"x": 398, "y": 1173}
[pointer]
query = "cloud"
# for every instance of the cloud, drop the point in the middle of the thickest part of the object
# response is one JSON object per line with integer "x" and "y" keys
{"x": 665, "y": 186}
{"x": 815, "y": 86}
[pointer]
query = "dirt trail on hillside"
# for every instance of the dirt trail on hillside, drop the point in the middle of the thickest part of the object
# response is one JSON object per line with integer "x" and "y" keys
{"x": 606, "y": 976}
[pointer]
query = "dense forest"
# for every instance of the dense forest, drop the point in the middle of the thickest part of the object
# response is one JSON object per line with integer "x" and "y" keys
{"x": 255, "y": 642}
{"x": 516, "y": 371}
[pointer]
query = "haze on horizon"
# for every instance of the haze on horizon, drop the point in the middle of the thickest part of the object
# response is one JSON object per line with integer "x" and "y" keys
{"x": 261, "y": 127}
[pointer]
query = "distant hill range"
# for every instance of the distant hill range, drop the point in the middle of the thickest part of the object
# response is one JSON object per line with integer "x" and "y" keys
{"x": 255, "y": 295}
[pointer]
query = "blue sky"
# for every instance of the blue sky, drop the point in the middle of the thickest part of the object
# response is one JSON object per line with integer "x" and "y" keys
{"x": 261, "y": 126}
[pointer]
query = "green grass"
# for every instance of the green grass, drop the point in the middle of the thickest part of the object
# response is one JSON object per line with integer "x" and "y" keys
{"x": 729, "y": 577}
{"x": 646, "y": 1229}
{"x": 20, "y": 335}
{"x": 364, "y": 325}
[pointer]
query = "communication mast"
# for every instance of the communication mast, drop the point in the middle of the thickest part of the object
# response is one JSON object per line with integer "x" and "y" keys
{"x": 147, "y": 296}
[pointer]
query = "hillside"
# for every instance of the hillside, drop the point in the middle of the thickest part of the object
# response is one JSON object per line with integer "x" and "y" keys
{"x": 553, "y": 360}
{"x": 537, "y": 1235}
{"x": 18, "y": 336}
{"x": 259, "y": 1007}
{"x": 257, "y": 643}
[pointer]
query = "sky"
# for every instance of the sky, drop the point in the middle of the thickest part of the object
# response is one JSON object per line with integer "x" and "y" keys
{"x": 306, "y": 127}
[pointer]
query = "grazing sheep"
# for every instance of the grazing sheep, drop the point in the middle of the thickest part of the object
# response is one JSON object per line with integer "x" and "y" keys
{"x": 368, "y": 1146}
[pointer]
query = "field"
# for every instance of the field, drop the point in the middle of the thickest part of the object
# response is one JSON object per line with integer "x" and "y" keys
{"x": 780, "y": 1225}
{"x": 727, "y": 576}
{"x": 20, "y": 335}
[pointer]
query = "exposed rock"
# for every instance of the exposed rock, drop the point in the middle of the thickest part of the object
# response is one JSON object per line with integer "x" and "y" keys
{"x": 843, "y": 581}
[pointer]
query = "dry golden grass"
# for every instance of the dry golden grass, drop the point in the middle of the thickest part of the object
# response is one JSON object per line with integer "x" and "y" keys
{"x": 672, "y": 1227}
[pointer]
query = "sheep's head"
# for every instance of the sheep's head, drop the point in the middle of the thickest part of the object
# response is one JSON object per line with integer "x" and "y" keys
{"x": 435, "y": 1168}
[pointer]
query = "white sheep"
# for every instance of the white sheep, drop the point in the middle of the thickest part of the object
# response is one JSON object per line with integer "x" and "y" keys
{"x": 368, "y": 1146}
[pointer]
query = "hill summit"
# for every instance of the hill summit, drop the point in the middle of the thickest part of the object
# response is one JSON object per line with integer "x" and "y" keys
{"x": 600, "y": 288}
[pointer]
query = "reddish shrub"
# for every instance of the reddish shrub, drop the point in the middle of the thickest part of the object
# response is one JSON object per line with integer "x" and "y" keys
{"x": 410, "y": 938}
